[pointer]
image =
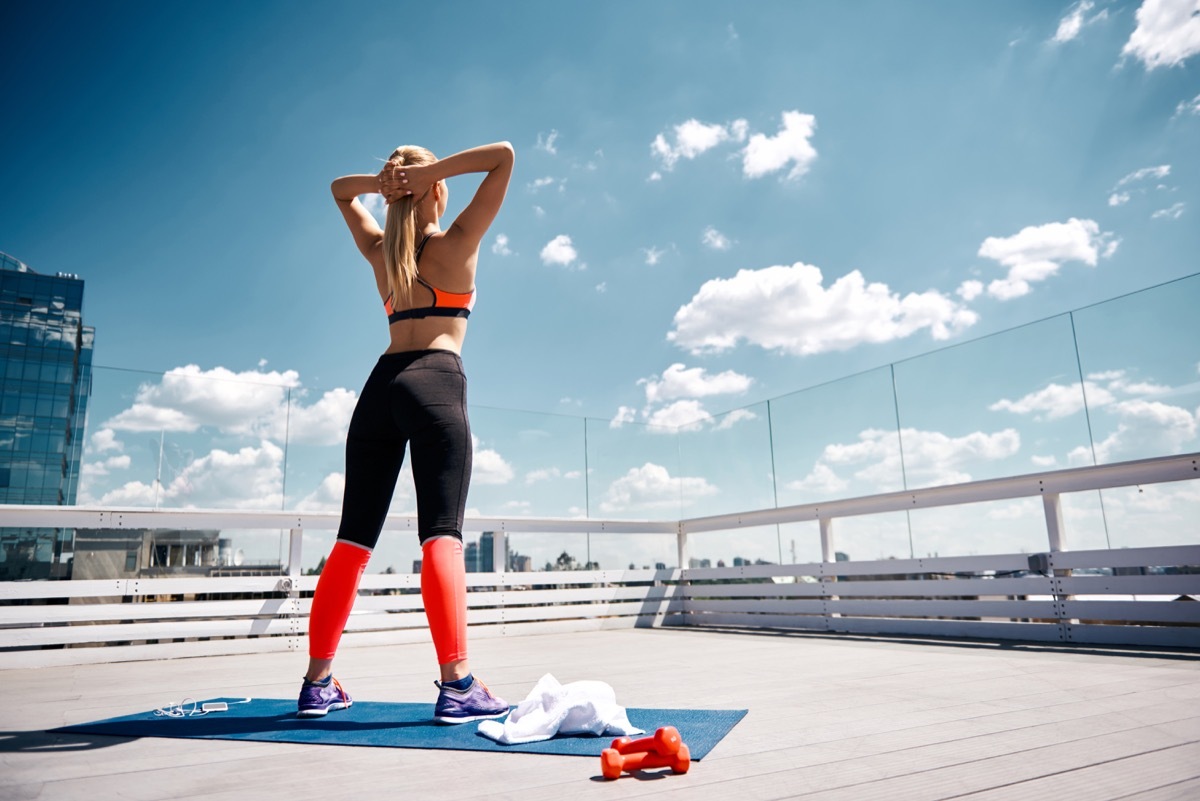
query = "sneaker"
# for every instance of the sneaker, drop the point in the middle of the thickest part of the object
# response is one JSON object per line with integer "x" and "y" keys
{"x": 462, "y": 706}
{"x": 318, "y": 700}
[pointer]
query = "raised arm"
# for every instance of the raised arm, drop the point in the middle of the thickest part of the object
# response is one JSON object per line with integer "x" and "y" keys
{"x": 366, "y": 231}
{"x": 472, "y": 223}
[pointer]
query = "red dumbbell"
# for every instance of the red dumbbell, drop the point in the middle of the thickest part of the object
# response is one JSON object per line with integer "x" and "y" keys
{"x": 613, "y": 762}
{"x": 664, "y": 742}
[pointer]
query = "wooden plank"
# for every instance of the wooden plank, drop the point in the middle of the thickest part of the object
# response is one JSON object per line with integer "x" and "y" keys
{"x": 173, "y": 610}
{"x": 1160, "y": 556}
{"x": 1126, "y": 611}
{"x": 1130, "y": 585}
{"x": 37, "y": 590}
{"x": 892, "y": 608}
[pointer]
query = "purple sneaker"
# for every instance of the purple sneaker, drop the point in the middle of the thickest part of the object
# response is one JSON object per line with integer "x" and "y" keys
{"x": 318, "y": 700}
{"x": 462, "y": 706}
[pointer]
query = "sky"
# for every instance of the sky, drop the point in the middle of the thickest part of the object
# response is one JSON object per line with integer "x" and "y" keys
{"x": 714, "y": 205}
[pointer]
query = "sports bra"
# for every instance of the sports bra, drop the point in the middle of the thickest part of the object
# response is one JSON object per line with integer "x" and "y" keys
{"x": 445, "y": 304}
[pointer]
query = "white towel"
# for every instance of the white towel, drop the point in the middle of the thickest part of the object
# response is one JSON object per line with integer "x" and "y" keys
{"x": 581, "y": 707}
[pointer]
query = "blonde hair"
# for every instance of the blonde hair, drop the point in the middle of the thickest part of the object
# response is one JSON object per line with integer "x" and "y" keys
{"x": 400, "y": 231}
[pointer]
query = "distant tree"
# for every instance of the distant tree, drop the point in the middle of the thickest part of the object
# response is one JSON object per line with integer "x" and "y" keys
{"x": 316, "y": 571}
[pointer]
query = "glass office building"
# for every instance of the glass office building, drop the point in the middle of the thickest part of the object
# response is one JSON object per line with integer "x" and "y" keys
{"x": 45, "y": 382}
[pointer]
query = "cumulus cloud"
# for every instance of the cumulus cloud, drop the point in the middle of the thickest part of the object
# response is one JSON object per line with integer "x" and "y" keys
{"x": 541, "y": 183}
{"x": 789, "y": 309}
{"x": 931, "y": 458}
{"x": 377, "y": 206}
{"x": 327, "y": 497}
{"x": 624, "y": 416}
{"x": 681, "y": 415}
{"x": 653, "y": 255}
{"x": 1038, "y": 251}
{"x": 693, "y": 138}
{"x": 500, "y": 246}
{"x": 251, "y": 403}
{"x": 969, "y": 290}
{"x": 1174, "y": 212}
{"x": 678, "y": 381}
{"x": 764, "y": 155}
{"x": 90, "y": 470}
{"x": 559, "y": 251}
{"x": 250, "y": 478}
{"x": 1056, "y": 401}
{"x": 714, "y": 239}
{"x": 1118, "y": 198}
{"x": 731, "y": 419}
{"x": 546, "y": 142}
{"x": 488, "y": 466}
{"x": 1167, "y": 33}
{"x": 1074, "y": 21}
{"x": 105, "y": 440}
{"x": 651, "y": 486}
{"x": 1144, "y": 428}
{"x": 1191, "y": 107}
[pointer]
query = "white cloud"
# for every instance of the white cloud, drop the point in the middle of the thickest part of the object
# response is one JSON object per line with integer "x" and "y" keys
{"x": 1137, "y": 176}
{"x": 682, "y": 415}
{"x": 654, "y": 176}
{"x": 546, "y": 143}
{"x": 251, "y": 478}
{"x": 1191, "y": 107}
{"x": 541, "y": 183}
{"x": 652, "y": 487}
{"x": 693, "y": 138}
{"x": 1044, "y": 461}
{"x": 1055, "y": 401}
{"x": 1145, "y": 428}
{"x": 500, "y": 246}
{"x": 678, "y": 381}
{"x": 1118, "y": 198}
{"x": 714, "y": 239}
{"x": 624, "y": 415}
{"x": 788, "y": 309}
{"x": 377, "y": 206}
{"x": 602, "y": 287}
{"x": 1173, "y": 213}
{"x": 560, "y": 251}
{"x": 542, "y": 474}
{"x": 930, "y": 457}
{"x": 1071, "y": 24}
{"x": 538, "y": 211}
{"x": 1037, "y": 252}
{"x": 1167, "y": 33}
{"x": 653, "y": 255}
{"x": 488, "y": 466}
{"x": 327, "y": 497}
{"x": 969, "y": 290}
{"x": 90, "y": 470}
{"x": 767, "y": 154}
{"x": 323, "y": 423}
{"x": 105, "y": 440}
{"x": 733, "y": 418}
{"x": 821, "y": 481}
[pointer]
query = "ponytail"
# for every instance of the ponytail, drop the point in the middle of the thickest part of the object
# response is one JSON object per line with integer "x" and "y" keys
{"x": 400, "y": 232}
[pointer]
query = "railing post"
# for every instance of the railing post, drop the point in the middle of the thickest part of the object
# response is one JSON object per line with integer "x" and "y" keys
{"x": 681, "y": 544}
{"x": 295, "y": 543}
{"x": 827, "y": 552}
{"x": 1056, "y": 533}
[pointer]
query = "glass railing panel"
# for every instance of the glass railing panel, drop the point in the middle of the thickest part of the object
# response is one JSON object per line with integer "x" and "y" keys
{"x": 1004, "y": 405}
{"x": 1140, "y": 355}
{"x": 634, "y": 473}
{"x": 1159, "y": 514}
{"x": 527, "y": 464}
{"x": 731, "y": 454}
{"x": 837, "y": 440}
{"x": 993, "y": 527}
{"x": 736, "y": 547}
{"x": 881, "y": 536}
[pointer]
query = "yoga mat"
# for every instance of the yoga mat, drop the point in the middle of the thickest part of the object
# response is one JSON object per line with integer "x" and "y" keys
{"x": 388, "y": 725}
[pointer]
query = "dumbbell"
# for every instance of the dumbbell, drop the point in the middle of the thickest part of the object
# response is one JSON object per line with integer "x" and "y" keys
{"x": 665, "y": 741}
{"x": 613, "y": 762}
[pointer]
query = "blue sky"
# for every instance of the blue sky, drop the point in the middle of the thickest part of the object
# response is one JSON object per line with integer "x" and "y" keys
{"x": 713, "y": 204}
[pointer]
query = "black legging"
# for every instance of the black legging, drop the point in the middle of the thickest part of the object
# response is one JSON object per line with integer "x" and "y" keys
{"x": 417, "y": 398}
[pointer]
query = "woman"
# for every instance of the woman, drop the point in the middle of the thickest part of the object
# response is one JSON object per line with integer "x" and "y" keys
{"x": 415, "y": 396}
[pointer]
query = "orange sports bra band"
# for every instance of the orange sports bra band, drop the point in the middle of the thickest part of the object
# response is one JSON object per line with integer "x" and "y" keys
{"x": 445, "y": 304}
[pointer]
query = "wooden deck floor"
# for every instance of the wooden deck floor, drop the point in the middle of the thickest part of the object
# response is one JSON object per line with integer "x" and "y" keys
{"x": 830, "y": 718}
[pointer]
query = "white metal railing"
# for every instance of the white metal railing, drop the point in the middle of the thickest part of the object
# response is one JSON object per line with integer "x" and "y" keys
{"x": 1058, "y": 596}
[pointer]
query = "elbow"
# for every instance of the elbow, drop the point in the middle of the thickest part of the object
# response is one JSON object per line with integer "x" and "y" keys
{"x": 509, "y": 155}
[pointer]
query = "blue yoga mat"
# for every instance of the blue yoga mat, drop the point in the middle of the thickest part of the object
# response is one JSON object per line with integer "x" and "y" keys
{"x": 373, "y": 723}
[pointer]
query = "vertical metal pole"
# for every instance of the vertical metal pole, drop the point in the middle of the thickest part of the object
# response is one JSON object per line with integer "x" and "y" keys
{"x": 1054, "y": 522}
{"x": 295, "y": 541}
{"x": 681, "y": 544}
